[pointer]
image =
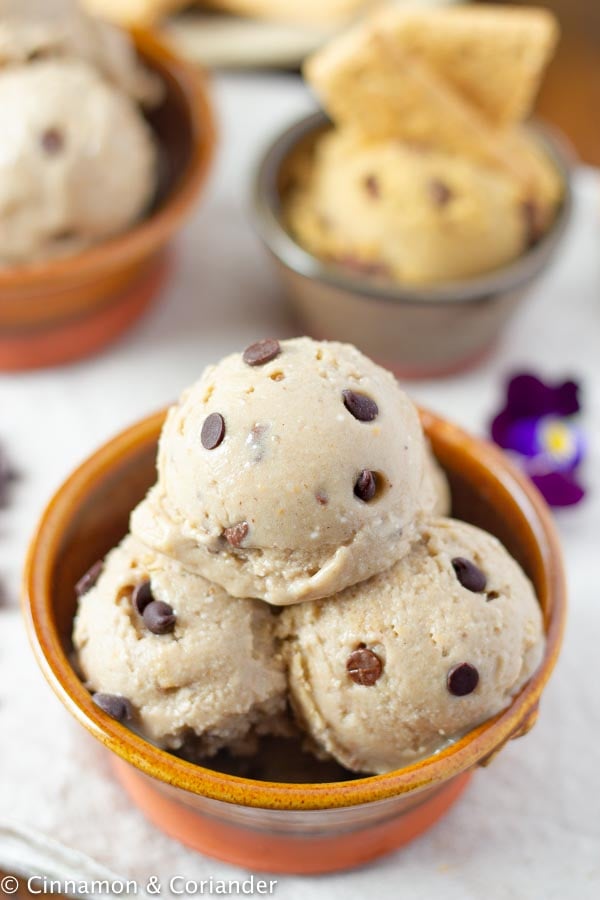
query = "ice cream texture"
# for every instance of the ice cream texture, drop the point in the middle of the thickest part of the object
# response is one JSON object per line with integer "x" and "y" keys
{"x": 394, "y": 668}
{"x": 291, "y": 479}
{"x": 191, "y": 662}
{"x": 72, "y": 173}
{"x": 417, "y": 216}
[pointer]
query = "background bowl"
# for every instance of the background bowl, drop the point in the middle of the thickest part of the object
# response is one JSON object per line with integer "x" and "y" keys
{"x": 416, "y": 332}
{"x": 57, "y": 311}
{"x": 263, "y": 825}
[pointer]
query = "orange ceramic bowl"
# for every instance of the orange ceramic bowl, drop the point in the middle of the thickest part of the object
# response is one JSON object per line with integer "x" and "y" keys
{"x": 271, "y": 826}
{"x": 57, "y": 311}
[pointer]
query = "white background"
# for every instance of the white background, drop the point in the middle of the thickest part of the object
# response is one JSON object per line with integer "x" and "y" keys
{"x": 529, "y": 826}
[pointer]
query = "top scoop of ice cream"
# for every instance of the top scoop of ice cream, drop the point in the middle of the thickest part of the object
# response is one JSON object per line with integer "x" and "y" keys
{"x": 288, "y": 472}
{"x": 35, "y": 29}
{"x": 394, "y": 668}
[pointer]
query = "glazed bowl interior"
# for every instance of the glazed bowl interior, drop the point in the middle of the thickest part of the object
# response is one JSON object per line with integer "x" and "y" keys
{"x": 90, "y": 514}
{"x": 273, "y": 180}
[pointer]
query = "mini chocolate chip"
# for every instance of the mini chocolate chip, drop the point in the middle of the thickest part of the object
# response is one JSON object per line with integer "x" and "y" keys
{"x": 322, "y": 498}
{"x": 366, "y": 486}
{"x": 142, "y": 596}
{"x": 462, "y": 679}
{"x": 118, "y": 708}
{"x": 213, "y": 431}
{"x": 372, "y": 186}
{"x": 236, "y": 533}
{"x": 262, "y": 352}
{"x": 52, "y": 140}
{"x": 470, "y": 576}
{"x": 492, "y": 595}
{"x": 439, "y": 192}
{"x": 364, "y": 667}
{"x": 159, "y": 617}
{"x": 362, "y": 407}
{"x": 8, "y": 476}
{"x": 87, "y": 582}
{"x": 370, "y": 269}
{"x": 533, "y": 221}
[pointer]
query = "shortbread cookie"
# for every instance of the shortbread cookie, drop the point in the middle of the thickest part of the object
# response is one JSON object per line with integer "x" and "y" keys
{"x": 370, "y": 86}
{"x": 494, "y": 57}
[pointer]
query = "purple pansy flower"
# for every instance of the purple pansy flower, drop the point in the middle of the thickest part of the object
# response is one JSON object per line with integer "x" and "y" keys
{"x": 537, "y": 426}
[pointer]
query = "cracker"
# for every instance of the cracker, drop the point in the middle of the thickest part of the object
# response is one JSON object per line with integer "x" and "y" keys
{"x": 494, "y": 56}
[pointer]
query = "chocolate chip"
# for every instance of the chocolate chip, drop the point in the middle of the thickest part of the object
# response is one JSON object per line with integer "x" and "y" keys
{"x": 462, "y": 679}
{"x": 236, "y": 533}
{"x": 213, "y": 431}
{"x": 470, "y": 576}
{"x": 52, "y": 140}
{"x": 372, "y": 186}
{"x": 159, "y": 617}
{"x": 362, "y": 407}
{"x": 534, "y": 224}
{"x": 262, "y": 352}
{"x": 366, "y": 486}
{"x": 87, "y": 582}
{"x": 364, "y": 667}
{"x": 142, "y": 596}
{"x": 368, "y": 268}
{"x": 8, "y": 476}
{"x": 118, "y": 708}
{"x": 492, "y": 595}
{"x": 439, "y": 192}
{"x": 322, "y": 498}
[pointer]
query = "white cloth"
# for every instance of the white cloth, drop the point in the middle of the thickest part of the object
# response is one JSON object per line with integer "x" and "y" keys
{"x": 529, "y": 826}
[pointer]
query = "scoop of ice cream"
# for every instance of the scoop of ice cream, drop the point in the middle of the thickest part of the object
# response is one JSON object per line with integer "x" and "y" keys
{"x": 78, "y": 162}
{"x": 288, "y": 472}
{"x": 413, "y": 215}
{"x": 391, "y": 670}
{"x": 188, "y": 659}
{"x": 33, "y": 29}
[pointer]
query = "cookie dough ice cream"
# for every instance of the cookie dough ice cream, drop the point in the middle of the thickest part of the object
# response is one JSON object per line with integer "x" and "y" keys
{"x": 175, "y": 655}
{"x": 298, "y": 473}
{"x": 394, "y": 668}
{"x": 417, "y": 216}
{"x": 288, "y": 472}
{"x": 73, "y": 171}
{"x": 427, "y": 175}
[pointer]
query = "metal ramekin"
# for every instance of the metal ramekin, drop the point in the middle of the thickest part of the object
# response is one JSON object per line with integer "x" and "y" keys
{"x": 425, "y": 332}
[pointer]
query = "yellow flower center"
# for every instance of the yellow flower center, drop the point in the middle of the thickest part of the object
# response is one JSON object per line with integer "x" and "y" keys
{"x": 559, "y": 440}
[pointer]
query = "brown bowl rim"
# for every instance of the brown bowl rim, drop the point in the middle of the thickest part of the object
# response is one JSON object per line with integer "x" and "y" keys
{"x": 474, "y": 747}
{"x": 265, "y": 203}
{"x": 154, "y": 230}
